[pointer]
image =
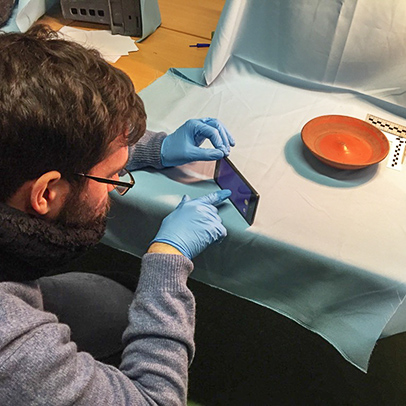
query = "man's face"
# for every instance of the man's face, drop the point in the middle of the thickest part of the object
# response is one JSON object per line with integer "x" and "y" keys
{"x": 90, "y": 206}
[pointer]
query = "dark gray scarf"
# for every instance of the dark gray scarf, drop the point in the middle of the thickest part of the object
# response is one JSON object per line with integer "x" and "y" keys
{"x": 30, "y": 246}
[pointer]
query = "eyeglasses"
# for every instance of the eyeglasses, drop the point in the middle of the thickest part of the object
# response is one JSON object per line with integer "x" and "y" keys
{"x": 122, "y": 185}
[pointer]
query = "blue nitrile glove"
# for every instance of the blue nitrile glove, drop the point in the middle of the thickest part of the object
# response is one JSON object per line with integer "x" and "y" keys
{"x": 182, "y": 146}
{"x": 194, "y": 224}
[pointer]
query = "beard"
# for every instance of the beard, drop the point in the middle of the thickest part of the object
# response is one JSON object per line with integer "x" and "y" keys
{"x": 77, "y": 213}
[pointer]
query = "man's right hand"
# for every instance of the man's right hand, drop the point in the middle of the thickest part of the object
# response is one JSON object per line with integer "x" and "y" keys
{"x": 194, "y": 224}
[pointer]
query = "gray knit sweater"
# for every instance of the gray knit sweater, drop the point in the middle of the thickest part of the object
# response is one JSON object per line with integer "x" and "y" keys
{"x": 39, "y": 365}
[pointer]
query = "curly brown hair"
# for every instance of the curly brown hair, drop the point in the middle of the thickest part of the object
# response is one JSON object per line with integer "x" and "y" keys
{"x": 61, "y": 106}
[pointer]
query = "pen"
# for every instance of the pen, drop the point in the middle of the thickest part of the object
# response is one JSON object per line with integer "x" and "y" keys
{"x": 200, "y": 45}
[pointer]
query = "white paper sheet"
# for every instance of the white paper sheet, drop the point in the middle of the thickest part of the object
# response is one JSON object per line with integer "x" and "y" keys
{"x": 112, "y": 47}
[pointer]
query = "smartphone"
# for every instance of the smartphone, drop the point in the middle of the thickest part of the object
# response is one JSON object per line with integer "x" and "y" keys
{"x": 244, "y": 197}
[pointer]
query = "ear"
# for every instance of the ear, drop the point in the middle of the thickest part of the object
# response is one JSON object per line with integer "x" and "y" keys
{"x": 48, "y": 193}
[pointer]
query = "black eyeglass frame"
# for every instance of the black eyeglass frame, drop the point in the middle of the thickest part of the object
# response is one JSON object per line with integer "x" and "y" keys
{"x": 127, "y": 185}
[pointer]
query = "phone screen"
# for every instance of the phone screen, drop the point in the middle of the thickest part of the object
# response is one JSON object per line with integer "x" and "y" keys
{"x": 244, "y": 197}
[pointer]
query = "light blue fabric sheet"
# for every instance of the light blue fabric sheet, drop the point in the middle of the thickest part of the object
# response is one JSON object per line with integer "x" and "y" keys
{"x": 348, "y": 44}
{"x": 327, "y": 246}
{"x": 150, "y": 17}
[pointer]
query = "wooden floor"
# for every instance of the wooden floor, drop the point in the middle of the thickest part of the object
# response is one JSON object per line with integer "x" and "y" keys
{"x": 184, "y": 22}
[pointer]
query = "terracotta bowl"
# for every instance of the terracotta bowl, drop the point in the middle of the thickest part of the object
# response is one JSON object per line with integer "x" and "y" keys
{"x": 345, "y": 142}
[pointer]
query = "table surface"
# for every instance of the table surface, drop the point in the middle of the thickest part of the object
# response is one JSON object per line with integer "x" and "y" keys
{"x": 183, "y": 23}
{"x": 321, "y": 250}
{"x": 295, "y": 264}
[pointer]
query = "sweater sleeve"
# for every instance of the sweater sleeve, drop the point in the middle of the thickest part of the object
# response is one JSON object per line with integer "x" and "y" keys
{"x": 146, "y": 152}
{"x": 161, "y": 330}
{"x": 154, "y": 369}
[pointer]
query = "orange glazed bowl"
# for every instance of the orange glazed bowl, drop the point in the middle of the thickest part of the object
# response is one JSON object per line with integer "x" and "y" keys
{"x": 345, "y": 142}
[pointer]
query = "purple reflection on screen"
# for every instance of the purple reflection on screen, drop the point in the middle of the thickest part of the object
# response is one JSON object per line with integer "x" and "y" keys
{"x": 228, "y": 179}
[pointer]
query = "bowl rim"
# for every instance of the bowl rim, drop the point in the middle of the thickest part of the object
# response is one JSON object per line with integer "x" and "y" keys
{"x": 339, "y": 164}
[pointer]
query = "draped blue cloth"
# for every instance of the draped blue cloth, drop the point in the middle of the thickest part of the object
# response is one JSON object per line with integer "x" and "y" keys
{"x": 327, "y": 246}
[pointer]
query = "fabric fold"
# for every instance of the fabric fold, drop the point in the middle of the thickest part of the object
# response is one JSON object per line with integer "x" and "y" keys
{"x": 355, "y": 45}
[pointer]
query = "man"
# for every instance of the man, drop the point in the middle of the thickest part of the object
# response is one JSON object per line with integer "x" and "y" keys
{"x": 67, "y": 123}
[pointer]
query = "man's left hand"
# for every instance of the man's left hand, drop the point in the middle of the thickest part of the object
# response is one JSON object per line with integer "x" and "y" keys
{"x": 183, "y": 146}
